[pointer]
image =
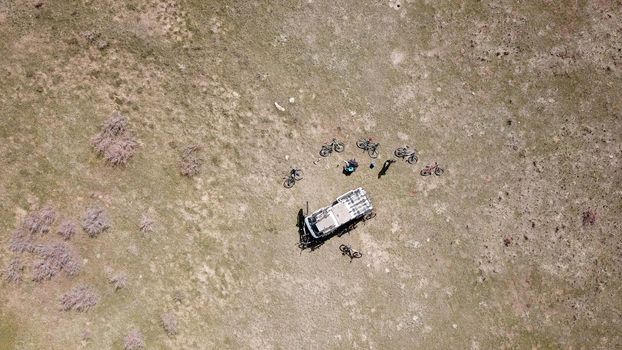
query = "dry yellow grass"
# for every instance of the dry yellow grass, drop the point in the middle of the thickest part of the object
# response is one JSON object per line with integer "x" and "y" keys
{"x": 518, "y": 101}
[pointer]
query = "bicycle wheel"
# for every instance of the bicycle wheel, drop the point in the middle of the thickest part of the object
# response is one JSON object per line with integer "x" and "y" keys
{"x": 438, "y": 171}
{"x": 362, "y": 144}
{"x": 369, "y": 216}
{"x": 425, "y": 172}
{"x": 344, "y": 248}
{"x": 289, "y": 182}
{"x": 339, "y": 147}
{"x": 325, "y": 151}
{"x": 297, "y": 174}
{"x": 373, "y": 152}
{"x": 400, "y": 152}
{"x": 356, "y": 254}
{"x": 412, "y": 159}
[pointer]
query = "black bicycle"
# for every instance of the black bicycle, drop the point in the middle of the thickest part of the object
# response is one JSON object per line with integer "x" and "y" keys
{"x": 408, "y": 154}
{"x": 351, "y": 253}
{"x": 294, "y": 175}
{"x": 369, "y": 146}
{"x": 328, "y": 148}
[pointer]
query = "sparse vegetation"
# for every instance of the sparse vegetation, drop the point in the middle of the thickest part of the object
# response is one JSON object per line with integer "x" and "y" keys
{"x": 87, "y": 335}
{"x": 178, "y": 297}
{"x": 80, "y": 298}
{"x": 13, "y": 271}
{"x": 133, "y": 249}
{"x": 190, "y": 161}
{"x": 134, "y": 340}
{"x": 146, "y": 224}
{"x": 114, "y": 142}
{"x": 40, "y": 221}
{"x": 96, "y": 221}
{"x": 169, "y": 323}
{"x": 67, "y": 229}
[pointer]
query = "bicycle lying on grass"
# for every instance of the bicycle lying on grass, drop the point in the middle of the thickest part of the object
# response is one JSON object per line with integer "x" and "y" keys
{"x": 351, "y": 253}
{"x": 294, "y": 175}
{"x": 432, "y": 169}
{"x": 369, "y": 146}
{"x": 328, "y": 148}
{"x": 409, "y": 155}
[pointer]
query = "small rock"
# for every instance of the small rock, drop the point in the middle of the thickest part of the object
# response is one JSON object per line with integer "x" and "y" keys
{"x": 38, "y": 4}
{"x": 292, "y": 100}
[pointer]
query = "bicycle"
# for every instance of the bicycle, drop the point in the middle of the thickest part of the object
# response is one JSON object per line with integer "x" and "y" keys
{"x": 409, "y": 155}
{"x": 294, "y": 175}
{"x": 430, "y": 169}
{"x": 328, "y": 148}
{"x": 369, "y": 216}
{"x": 369, "y": 146}
{"x": 351, "y": 253}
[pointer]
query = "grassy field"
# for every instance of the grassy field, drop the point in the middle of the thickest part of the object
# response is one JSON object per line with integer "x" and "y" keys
{"x": 519, "y": 101}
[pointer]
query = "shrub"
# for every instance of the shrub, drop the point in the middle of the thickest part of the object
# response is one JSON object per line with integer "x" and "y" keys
{"x": 169, "y": 323}
{"x": 72, "y": 267}
{"x": 190, "y": 162}
{"x": 80, "y": 298}
{"x": 21, "y": 241}
{"x": 120, "y": 151}
{"x": 13, "y": 271}
{"x": 146, "y": 224}
{"x": 119, "y": 280}
{"x": 116, "y": 125}
{"x": 67, "y": 229}
{"x": 41, "y": 221}
{"x": 43, "y": 270}
{"x": 589, "y": 217}
{"x": 114, "y": 142}
{"x": 134, "y": 340}
{"x": 95, "y": 222}
{"x": 54, "y": 259}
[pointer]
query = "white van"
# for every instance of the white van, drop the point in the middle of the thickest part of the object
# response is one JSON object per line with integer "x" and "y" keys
{"x": 350, "y": 206}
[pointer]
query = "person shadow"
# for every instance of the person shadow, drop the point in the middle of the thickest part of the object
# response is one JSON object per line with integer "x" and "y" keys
{"x": 385, "y": 167}
{"x": 300, "y": 222}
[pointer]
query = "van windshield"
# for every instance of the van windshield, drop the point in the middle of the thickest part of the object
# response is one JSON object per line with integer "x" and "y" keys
{"x": 311, "y": 224}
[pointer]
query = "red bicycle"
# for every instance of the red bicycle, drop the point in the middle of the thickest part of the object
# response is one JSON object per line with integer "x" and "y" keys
{"x": 432, "y": 169}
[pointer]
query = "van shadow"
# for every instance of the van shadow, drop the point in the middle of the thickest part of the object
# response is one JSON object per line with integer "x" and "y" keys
{"x": 306, "y": 241}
